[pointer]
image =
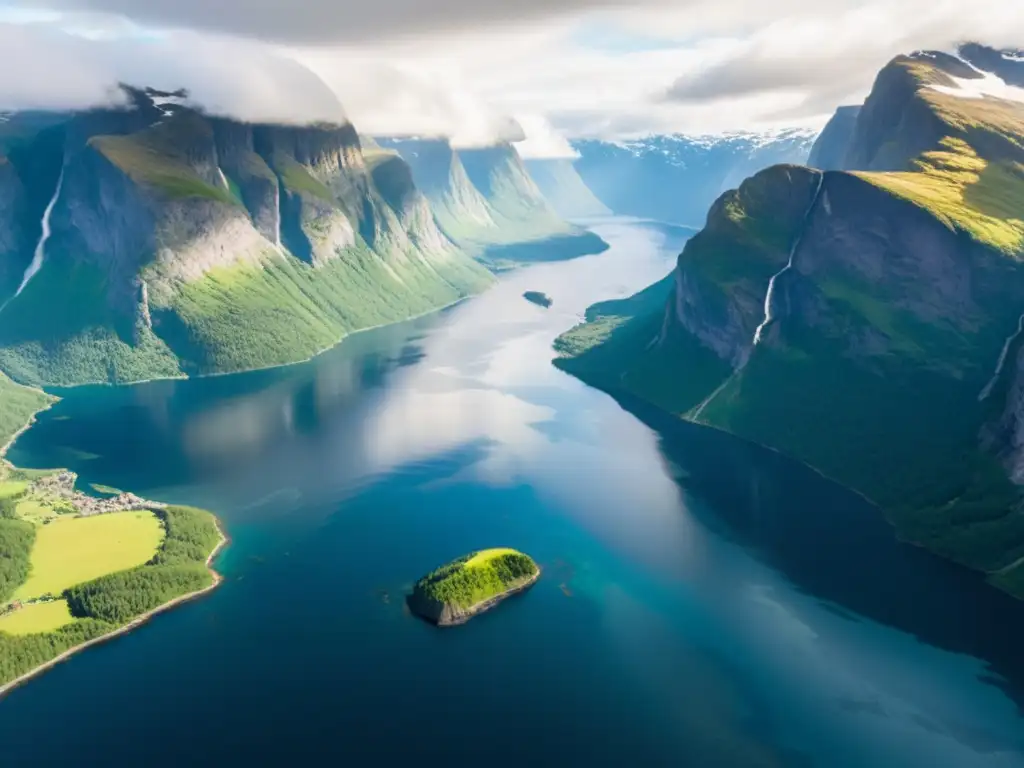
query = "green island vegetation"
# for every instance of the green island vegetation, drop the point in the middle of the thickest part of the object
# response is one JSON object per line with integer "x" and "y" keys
{"x": 898, "y": 418}
{"x": 67, "y": 578}
{"x": 538, "y": 298}
{"x": 456, "y": 592}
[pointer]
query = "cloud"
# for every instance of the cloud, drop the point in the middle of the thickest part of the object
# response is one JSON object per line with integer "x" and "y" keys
{"x": 583, "y": 68}
{"x": 43, "y": 67}
{"x": 541, "y": 140}
{"x": 384, "y": 97}
{"x": 817, "y": 62}
{"x": 317, "y": 22}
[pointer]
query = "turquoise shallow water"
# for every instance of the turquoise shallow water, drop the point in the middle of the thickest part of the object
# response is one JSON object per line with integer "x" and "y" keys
{"x": 704, "y": 602}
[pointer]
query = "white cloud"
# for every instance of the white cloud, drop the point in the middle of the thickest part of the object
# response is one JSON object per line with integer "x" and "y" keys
{"x": 329, "y": 21}
{"x": 542, "y": 140}
{"x": 44, "y": 67}
{"x": 388, "y": 97}
{"x": 460, "y": 68}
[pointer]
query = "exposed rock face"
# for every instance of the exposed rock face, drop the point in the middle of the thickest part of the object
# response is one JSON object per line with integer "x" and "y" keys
{"x": 725, "y": 321}
{"x": 190, "y": 243}
{"x": 484, "y": 200}
{"x": 440, "y": 175}
{"x": 886, "y": 363}
{"x": 829, "y": 150}
{"x": 896, "y": 123}
{"x": 392, "y": 178}
{"x": 15, "y": 247}
{"x": 856, "y": 236}
{"x": 452, "y": 615}
{"x": 257, "y": 183}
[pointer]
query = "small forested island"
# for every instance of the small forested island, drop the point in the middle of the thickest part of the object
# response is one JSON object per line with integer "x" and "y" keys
{"x": 538, "y": 298}
{"x": 77, "y": 569}
{"x": 464, "y": 588}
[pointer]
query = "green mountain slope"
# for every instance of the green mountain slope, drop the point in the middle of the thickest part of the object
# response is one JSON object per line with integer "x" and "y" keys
{"x": 192, "y": 245}
{"x": 485, "y": 200}
{"x": 859, "y": 321}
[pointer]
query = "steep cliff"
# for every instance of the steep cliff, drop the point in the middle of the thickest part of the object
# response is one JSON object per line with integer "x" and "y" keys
{"x": 461, "y": 211}
{"x": 485, "y": 200}
{"x": 860, "y": 321}
{"x": 562, "y": 186}
{"x": 829, "y": 150}
{"x": 675, "y": 178}
{"x": 14, "y": 239}
{"x": 183, "y": 244}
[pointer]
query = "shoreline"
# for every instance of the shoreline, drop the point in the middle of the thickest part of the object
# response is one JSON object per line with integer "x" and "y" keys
{"x": 134, "y": 624}
{"x": 478, "y": 608}
{"x": 495, "y": 273}
{"x": 622, "y": 397}
{"x": 241, "y": 371}
{"x": 28, "y": 425}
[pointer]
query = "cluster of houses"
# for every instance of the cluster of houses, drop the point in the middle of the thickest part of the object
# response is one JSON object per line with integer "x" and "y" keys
{"x": 61, "y": 486}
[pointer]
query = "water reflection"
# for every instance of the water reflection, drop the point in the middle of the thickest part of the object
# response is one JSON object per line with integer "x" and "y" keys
{"x": 753, "y": 601}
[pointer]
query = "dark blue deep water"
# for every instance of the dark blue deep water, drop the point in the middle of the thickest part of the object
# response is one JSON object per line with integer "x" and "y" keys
{"x": 704, "y": 603}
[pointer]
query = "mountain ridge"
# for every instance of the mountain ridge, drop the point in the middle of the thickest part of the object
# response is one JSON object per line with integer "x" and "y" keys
{"x": 858, "y": 319}
{"x": 676, "y": 177}
{"x": 184, "y": 244}
{"x": 486, "y": 201}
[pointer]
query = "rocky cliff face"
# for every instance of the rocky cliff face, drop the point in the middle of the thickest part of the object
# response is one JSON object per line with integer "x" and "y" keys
{"x": 866, "y": 323}
{"x": 461, "y": 211}
{"x": 675, "y": 178}
{"x": 829, "y": 150}
{"x": 182, "y": 243}
{"x": 485, "y": 200}
{"x": 500, "y": 175}
{"x": 14, "y": 239}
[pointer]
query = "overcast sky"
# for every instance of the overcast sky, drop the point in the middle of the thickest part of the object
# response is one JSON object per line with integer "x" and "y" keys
{"x": 480, "y": 69}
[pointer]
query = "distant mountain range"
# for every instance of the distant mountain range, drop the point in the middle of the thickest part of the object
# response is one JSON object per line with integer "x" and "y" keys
{"x": 675, "y": 178}
{"x": 863, "y": 315}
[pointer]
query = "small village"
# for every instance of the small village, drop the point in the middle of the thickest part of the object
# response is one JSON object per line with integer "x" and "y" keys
{"x": 58, "y": 491}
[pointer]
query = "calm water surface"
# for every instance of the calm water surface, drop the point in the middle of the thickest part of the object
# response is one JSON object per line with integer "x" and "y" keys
{"x": 704, "y": 603}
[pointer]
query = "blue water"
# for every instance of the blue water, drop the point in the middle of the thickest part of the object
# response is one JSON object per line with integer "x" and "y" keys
{"x": 704, "y": 602}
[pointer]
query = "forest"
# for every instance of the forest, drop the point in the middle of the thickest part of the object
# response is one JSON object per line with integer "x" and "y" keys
{"x": 102, "y": 605}
{"x": 465, "y": 582}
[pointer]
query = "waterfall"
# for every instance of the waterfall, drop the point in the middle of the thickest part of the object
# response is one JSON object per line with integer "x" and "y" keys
{"x": 768, "y": 300}
{"x": 770, "y": 295}
{"x": 37, "y": 257}
{"x": 223, "y": 178}
{"x": 1002, "y": 361}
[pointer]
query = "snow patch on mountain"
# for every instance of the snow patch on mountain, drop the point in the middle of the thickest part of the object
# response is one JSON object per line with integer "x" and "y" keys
{"x": 986, "y": 84}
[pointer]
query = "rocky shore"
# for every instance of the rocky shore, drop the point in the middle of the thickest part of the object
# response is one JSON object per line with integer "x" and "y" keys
{"x": 448, "y": 614}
